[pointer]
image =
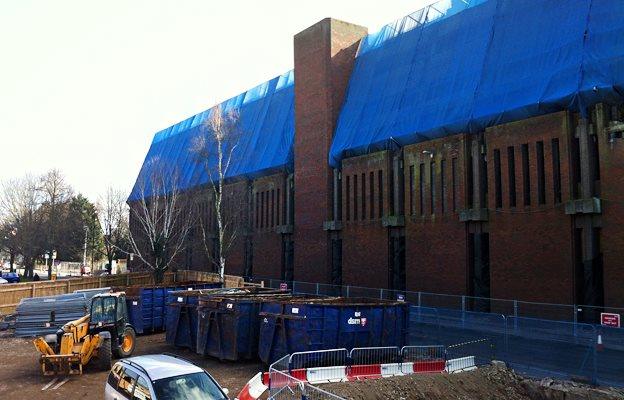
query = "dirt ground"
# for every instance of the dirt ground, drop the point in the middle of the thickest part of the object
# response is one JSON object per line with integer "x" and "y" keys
{"x": 21, "y": 378}
{"x": 491, "y": 383}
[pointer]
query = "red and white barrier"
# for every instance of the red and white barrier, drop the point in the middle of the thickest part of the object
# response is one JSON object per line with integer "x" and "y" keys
{"x": 460, "y": 364}
{"x": 254, "y": 388}
{"x": 326, "y": 374}
{"x": 340, "y": 373}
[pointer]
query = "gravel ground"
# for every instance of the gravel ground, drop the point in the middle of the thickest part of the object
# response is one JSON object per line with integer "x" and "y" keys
{"x": 21, "y": 378}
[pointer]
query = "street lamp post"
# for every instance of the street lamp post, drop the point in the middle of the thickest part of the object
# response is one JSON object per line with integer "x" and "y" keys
{"x": 52, "y": 263}
{"x": 46, "y": 256}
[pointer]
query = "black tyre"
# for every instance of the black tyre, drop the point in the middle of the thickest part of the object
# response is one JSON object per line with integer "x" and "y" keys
{"x": 127, "y": 344}
{"x": 103, "y": 360}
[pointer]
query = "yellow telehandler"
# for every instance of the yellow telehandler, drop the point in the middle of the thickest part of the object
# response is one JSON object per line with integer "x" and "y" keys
{"x": 93, "y": 338}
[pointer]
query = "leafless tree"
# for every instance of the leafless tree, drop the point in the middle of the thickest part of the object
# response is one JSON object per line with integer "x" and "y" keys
{"x": 20, "y": 202}
{"x": 214, "y": 148}
{"x": 113, "y": 214}
{"x": 162, "y": 219}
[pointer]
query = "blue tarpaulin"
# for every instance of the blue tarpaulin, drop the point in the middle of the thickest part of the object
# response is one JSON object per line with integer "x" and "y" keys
{"x": 264, "y": 137}
{"x": 462, "y": 66}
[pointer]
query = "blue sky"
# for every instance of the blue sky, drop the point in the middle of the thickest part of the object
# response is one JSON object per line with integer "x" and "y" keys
{"x": 84, "y": 85}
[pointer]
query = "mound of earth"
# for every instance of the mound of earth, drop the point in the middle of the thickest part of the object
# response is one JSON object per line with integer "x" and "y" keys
{"x": 491, "y": 382}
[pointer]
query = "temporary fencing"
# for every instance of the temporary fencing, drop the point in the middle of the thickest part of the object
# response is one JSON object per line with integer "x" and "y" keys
{"x": 295, "y": 376}
{"x": 536, "y": 339}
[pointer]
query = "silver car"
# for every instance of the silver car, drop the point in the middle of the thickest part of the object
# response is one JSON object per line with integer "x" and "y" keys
{"x": 161, "y": 377}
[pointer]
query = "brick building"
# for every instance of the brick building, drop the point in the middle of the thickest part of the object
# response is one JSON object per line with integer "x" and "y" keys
{"x": 528, "y": 205}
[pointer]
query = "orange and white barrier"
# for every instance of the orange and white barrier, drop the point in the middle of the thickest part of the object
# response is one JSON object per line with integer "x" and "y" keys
{"x": 254, "y": 388}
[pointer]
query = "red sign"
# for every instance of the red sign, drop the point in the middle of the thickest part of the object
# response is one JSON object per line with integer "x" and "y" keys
{"x": 283, "y": 286}
{"x": 609, "y": 319}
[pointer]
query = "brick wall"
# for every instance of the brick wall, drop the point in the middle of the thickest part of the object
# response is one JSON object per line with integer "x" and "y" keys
{"x": 535, "y": 253}
{"x": 364, "y": 239}
{"x": 530, "y": 244}
{"x": 611, "y": 156}
{"x": 268, "y": 212}
{"x": 324, "y": 56}
{"x": 435, "y": 238}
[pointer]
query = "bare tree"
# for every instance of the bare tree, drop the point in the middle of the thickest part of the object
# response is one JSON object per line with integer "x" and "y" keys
{"x": 20, "y": 203}
{"x": 214, "y": 147}
{"x": 113, "y": 214}
{"x": 8, "y": 242}
{"x": 162, "y": 219}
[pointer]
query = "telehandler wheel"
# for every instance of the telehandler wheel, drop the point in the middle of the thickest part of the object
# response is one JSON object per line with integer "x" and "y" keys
{"x": 103, "y": 361}
{"x": 128, "y": 343}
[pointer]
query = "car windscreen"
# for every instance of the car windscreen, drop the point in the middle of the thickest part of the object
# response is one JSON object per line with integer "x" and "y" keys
{"x": 191, "y": 387}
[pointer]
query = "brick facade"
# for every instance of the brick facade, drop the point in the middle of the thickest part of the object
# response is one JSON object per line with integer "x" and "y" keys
{"x": 429, "y": 229}
{"x": 530, "y": 210}
{"x": 324, "y": 55}
{"x": 533, "y": 237}
{"x": 366, "y": 197}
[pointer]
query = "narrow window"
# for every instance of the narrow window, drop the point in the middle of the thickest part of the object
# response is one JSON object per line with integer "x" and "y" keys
{"x": 411, "y": 190}
{"x": 391, "y": 193}
{"x": 380, "y": 192}
{"x": 355, "y": 197}
{"x": 348, "y": 198}
{"x": 257, "y": 206}
{"x": 498, "y": 186}
{"x": 363, "y": 196}
{"x": 541, "y": 175}
{"x": 371, "y": 186}
{"x": 556, "y": 171}
{"x": 511, "y": 168}
{"x": 526, "y": 178}
{"x": 454, "y": 179}
{"x": 272, "y": 207}
{"x": 421, "y": 188}
{"x": 443, "y": 184}
{"x": 266, "y": 212}
{"x": 262, "y": 210}
{"x": 469, "y": 181}
{"x": 277, "y": 208}
{"x": 432, "y": 185}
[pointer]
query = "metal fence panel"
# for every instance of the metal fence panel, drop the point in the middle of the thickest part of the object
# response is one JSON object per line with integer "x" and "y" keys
{"x": 538, "y": 339}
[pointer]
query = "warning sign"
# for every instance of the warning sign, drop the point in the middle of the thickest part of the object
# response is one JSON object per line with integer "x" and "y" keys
{"x": 610, "y": 319}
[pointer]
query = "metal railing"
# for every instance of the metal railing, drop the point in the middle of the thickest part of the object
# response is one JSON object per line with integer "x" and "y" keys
{"x": 559, "y": 312}
{"x": 562, "y": 346}
{"x": 294, "y": 376}
{"x": 284, "y": 386}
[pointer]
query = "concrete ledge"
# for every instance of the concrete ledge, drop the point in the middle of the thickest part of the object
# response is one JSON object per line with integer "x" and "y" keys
{"x": 473, "y": 214}
{"x": 393, "y": 220}
{"x": 284, "y": 229}
{"x": 332, "y": 225}
{"x": 583, "y": 206}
